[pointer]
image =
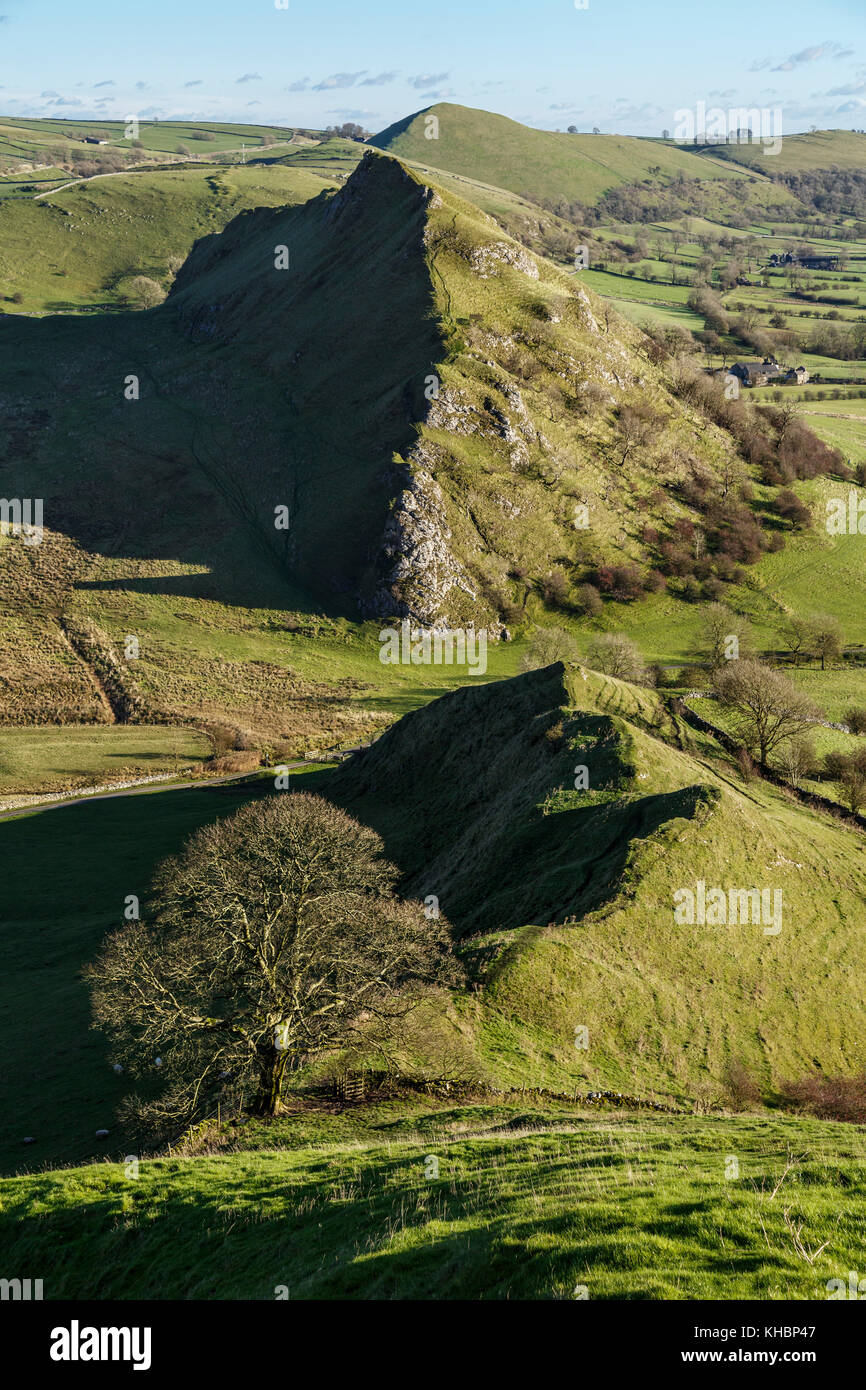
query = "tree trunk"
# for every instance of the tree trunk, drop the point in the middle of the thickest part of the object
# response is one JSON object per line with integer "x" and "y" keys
{"x": 272, "y": 1070}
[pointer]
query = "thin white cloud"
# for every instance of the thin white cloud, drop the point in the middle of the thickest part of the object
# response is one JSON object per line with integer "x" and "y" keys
{"x": 427, "y": 80}
{"x": 850, "y": 89}
{"x": 250, "y": 77}
{"x": 350, "y": 114}
{"x": 381, "y": 80}
{"x": 338, "y": 80}
{"x": 808, "y": 55}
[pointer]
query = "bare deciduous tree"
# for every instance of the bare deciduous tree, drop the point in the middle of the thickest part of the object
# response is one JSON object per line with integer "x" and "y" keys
{"x": 274, "y": 936}
{"x": 617, "y": 655}
{"x": 767, "y": 707}
{"x": 549, "y": 644}
{"x": 720, "y": 625}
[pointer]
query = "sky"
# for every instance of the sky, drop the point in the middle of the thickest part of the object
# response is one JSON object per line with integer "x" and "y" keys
{"x": 624, "y": 66}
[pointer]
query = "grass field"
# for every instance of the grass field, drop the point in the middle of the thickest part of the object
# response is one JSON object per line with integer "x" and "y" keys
{"x": 842, "y": 424}
{"x": 843, "y": 149}
{"x": 31, "y": 139}
{"x": 519, "y": 1201}
{"x": 62, "y": 758}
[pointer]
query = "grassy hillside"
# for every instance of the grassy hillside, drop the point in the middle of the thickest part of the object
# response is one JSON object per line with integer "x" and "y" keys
{"x": 234, "y": 384}
{"x": 34, "y": 760}
{"x": 466, "y": 794}
{"x": 528, "y": 1202}
{"x": 454, "y": 465}
{"x": 655, "y": 820}
{"x": 83, "y": 246}
{"x": 817, "y": 149}
{"x": 499, "y": 151}
{"x": 35, "y": 140}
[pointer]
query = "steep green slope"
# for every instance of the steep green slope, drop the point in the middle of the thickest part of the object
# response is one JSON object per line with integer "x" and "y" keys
{"x": 475, "y": 799}
{"x": 540, "y": 163}
{"x": 564, "y": 901}
{"x": 451, "y": 829}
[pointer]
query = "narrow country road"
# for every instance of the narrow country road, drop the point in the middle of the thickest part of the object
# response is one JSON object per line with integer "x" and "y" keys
{"x": 138, "y": 790}
{"x": 135, "y": 168}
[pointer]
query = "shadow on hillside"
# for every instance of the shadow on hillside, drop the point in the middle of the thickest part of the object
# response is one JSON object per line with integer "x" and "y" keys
{"x": 510, "y": 1232}
{"x": 473, "y": 798}
{"x": 56, "y": 1082}
{"x": 254, "y": 395}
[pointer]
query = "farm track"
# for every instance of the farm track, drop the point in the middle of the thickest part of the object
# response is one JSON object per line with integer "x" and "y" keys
{"x": 140, "y": 168}
{"x": 111, "y": 714}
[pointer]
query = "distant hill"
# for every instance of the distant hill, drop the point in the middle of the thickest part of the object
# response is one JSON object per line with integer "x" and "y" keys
{"x": 539, "y": 163}
{"x": 408, "y": 420}
{"x": 34, "y": 140}
{"x": 800, "y": 154}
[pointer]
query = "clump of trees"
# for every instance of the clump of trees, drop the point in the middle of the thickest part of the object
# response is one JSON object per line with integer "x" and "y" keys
{"x": 274, "y": 937}
{"x": 625, "y": 582}
{"x": 788, "y": 507}
{"x": 815, "y": 638}
{"x": 855, "y": 718}
{"x": 145, "y": 292}
{"x": 828, "y": 1097}
{"x": 349, "y": 130}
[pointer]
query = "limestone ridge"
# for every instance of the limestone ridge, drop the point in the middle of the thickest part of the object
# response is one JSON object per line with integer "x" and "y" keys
{"x": 427, "y": 401}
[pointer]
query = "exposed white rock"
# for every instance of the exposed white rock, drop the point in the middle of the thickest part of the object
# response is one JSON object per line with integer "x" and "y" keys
{"x": 487, "y": 260}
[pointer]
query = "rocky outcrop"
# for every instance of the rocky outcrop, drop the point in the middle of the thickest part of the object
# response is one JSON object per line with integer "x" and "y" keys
{"x": 418, "y": 569}
{"x": 488, "y": 260}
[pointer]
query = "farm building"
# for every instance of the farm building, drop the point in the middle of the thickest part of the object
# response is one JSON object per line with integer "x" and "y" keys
{"x": 757, "y": 373}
